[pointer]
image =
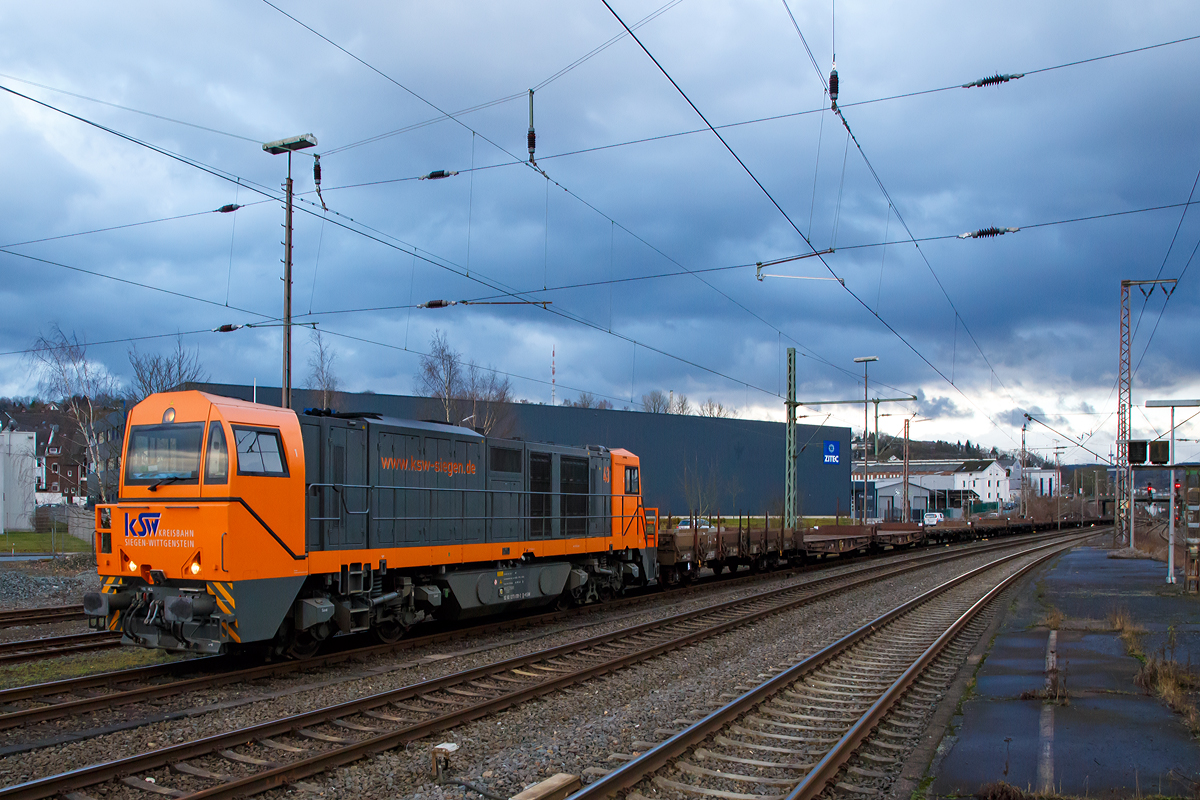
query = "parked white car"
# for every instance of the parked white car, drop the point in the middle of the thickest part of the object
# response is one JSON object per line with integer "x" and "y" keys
{"x": 934, "y": 517}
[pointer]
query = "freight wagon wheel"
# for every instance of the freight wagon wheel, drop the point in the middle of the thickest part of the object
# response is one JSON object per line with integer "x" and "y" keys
{"x": 718, "y": 568}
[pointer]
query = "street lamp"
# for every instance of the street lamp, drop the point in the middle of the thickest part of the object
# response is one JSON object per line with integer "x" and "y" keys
{"x": 288, "y": 146}
{"x": 865, "y": 360}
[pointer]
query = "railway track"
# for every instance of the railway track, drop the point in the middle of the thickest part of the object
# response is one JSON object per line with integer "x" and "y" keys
{"x": 791, "y": 737}
{"x": 39, "y": 703}
{"x": 281, "y": 751}
{"x": 40, "y": 616}
{"x": 49, "y": 647}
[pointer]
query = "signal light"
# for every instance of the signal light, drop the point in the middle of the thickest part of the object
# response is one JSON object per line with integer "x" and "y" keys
{"x": 132, "y": 566}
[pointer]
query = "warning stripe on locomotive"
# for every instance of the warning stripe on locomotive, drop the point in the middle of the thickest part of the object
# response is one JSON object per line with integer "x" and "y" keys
{"x": 223, "y": 594}
{"x": 110, "y": 585}
{"x": 230, "y": 629}
{"x": 116, "y": 619}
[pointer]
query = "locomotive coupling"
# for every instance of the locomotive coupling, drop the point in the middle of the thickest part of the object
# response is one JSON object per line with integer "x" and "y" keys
{"x": 96, "y": 604}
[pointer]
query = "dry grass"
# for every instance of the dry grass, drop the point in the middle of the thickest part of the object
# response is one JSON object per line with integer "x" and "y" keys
{"x": 1000, "y": 790}
{"x": 1171, "y": 682}
{"x": 1130, "y": 632}
{"x": 1054, "y": 619}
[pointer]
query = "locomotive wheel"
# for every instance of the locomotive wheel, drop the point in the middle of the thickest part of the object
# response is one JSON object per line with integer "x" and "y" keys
{"x": 303, "y": 645}
{"x": 389, "y": 632}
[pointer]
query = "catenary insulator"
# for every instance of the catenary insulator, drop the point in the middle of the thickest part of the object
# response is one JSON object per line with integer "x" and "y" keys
{"x": 317, "y": 170}
{"x": 833, "y": 86}
{"x": 225, "y": 209}
{"x": 532, "y": 138}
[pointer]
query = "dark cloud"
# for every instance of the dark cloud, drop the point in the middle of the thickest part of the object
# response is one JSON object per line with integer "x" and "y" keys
{"x": 1034, "y": 317}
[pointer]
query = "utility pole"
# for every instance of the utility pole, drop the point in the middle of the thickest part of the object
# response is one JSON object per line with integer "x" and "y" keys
{"x": 1125, "y": 489}
{"x": 789, "y": 466}
{"x": 907, "y": 500}
{"x": 1058, "y": 487}
{"x": 1024, "y": 477}
{"x": 289, "y": 145}
{"x": 865, "y": 361}
{"x": 287, "y": 292}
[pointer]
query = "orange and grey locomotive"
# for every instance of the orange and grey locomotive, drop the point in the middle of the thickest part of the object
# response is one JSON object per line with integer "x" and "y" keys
{"x": 240, "y": 524}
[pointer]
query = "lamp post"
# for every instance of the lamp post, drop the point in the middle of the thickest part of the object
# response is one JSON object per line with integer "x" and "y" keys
{"x": 289, "y": 145}
{"x": 865, "y": 360}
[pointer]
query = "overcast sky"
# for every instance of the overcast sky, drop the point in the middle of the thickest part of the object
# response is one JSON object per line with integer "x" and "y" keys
{"x": 979, "y": 329}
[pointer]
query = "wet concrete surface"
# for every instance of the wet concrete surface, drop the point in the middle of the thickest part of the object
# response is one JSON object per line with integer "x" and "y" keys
{"x": 1110, "y": 738}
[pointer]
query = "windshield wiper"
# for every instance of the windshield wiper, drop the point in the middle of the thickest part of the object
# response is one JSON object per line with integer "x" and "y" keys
{"x": 171, "y": 479}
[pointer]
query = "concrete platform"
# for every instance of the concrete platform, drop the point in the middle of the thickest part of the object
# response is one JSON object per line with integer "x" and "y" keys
{"x": 1111, "y": 739}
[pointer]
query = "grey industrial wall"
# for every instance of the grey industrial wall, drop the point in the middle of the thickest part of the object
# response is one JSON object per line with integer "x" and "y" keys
{"x": 742, "y": 460}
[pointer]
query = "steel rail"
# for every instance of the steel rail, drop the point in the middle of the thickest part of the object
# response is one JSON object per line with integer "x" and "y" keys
{"x": 91, "y": 775}
{"x": 49, "y": 711}
{"x": 33, "y": 649}
{"x": 638, "y": 769}
{"x": 17, "y": 617}
{"x": 828, "y": 767}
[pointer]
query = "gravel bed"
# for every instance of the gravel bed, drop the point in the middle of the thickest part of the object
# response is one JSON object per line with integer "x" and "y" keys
{"x": 407, "y": 667}
{"x": 53, "y": 582}
{"x": 581, "y": 728}
{"x": 564, "y": 732}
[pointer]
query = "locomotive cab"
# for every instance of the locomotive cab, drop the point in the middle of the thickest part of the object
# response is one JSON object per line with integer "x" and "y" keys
{"x": 208, "y": 518}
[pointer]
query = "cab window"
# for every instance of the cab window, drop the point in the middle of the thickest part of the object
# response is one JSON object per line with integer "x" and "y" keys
{"x": 259, "y": 452}
{"x": 167, "y": 453}
{"x": 632, "y": 486}
{"x": 216, "y": 455}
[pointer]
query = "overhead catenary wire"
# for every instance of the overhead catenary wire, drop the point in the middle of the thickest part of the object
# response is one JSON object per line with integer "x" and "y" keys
{"x": 772, "y": 118}
{"x": 528, "y": 163}
{"x": 984, "y": 233}
{"x": 264, "y": 191}
{"x": 788, "y": 218}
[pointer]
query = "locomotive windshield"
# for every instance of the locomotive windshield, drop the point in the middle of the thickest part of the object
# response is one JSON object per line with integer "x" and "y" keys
{"x": 158, "y": 453}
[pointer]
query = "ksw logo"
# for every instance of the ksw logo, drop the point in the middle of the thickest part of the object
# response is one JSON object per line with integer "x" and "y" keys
{"x": 144, "y": 524}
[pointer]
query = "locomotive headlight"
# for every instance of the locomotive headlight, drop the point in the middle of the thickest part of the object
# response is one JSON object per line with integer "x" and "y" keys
{"x": 132, "y": 566}
{"x": 195, "y": 567}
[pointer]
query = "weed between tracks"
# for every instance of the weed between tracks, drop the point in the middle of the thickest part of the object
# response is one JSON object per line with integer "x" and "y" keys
{"x": 53, "y": 669}
{"x": 1129, "y": 631}
{"x": 1172, "y": 682}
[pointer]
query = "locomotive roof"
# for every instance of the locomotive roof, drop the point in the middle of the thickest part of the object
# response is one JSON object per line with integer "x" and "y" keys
{"x": 422, "y": 425}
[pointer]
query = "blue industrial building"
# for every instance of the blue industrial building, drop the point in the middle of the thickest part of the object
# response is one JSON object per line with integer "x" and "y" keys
{"x": 730, "y": 465}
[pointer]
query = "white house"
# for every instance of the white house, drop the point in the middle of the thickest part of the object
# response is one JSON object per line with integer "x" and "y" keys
{"x": 987, "y": 478}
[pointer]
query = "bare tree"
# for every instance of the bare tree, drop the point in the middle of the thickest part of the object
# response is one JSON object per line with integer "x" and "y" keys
{"x": 656, "y": 403}
{"x": 163, "y": 372}
{"x": 86, "y": 388}
{"x": 678, "y": 405}
{"x": 465, "y": 391}
{"x": 586, "y": 400}
{"x": 711, "y": 408}
{"x": 486, "y": 394}
{"x": 706, "y": 487}
{"x": 441, "y": 376}
{"x": 604, "y": 404}
{"x": 321, "y": 375}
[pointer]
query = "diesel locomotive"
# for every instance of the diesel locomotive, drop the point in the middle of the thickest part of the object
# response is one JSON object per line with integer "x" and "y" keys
{"x": 240, "y": 525}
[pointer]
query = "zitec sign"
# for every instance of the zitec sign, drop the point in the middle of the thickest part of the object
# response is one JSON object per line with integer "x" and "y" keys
{"x": 832, "y": 452}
